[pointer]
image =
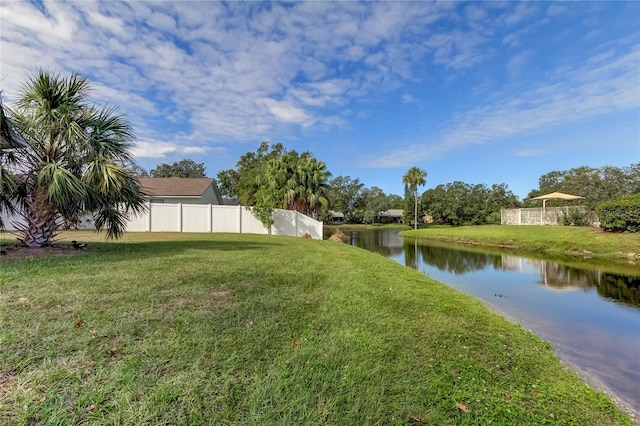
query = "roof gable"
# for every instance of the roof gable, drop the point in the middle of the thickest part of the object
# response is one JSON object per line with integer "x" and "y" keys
{"x": 175, "y": 187}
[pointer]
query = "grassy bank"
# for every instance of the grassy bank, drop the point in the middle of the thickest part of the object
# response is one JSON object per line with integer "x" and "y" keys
{"x": 240, "y": 329}
{"x": 563, "y": 240}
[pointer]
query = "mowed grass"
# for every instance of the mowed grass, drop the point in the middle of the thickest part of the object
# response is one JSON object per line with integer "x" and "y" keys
{"x": 241, "y": 329}
{"x": 572, "y": 240}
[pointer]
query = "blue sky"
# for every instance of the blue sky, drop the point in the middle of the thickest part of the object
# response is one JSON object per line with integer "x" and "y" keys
{"x": 494, "y": 92}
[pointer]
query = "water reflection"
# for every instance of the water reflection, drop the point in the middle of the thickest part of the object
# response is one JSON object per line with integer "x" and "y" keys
{"x": 552, "y": 275}
{"x": 589, "y": 314}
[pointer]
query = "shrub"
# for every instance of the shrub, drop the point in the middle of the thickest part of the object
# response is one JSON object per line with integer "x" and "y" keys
{"x": 575, "y": 217}
{"x": 620, "y": 215}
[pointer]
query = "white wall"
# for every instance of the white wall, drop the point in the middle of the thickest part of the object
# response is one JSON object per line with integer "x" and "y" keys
{"x": 163, "y": 217}
{"x": 217, "y": 218}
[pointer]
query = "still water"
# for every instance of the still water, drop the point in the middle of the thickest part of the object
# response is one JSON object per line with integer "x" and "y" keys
{"x": 589, "y": 315}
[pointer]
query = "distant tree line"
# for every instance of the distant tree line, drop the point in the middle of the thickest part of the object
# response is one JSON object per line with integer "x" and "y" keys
{"x": 273, "y": 177}
{"x": 358, "y": 203}
{"x": 182, "y": 169}
{"x": 460, "y": 203}
{"x": 596, "y": 185}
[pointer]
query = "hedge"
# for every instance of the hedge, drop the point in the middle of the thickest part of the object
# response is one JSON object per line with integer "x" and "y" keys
{"x": 620, "y": 215}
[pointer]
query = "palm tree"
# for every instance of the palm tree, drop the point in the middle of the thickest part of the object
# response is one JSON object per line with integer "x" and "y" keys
{"x": 9, "y": 141}
{"x": 74, "y": 161}
{"x": 308, "y": 185}
{"x": 414, "y": 177}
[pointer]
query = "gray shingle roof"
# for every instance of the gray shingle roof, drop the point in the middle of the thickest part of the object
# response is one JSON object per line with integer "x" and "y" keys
{"x": 175, "y": 187}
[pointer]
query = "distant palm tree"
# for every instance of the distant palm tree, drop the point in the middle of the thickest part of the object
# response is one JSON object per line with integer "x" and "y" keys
{"x": 308, "y": 185}
{"x": 74, "y": 162}
{"x": 414, "y": 177}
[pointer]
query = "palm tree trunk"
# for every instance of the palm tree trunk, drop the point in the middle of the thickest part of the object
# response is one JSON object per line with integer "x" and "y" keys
{"x": 415, "y": 213}
{"x": 41, "y": 224}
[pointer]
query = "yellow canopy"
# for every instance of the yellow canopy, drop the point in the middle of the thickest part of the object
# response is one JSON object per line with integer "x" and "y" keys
{"x": 557, "y": 196}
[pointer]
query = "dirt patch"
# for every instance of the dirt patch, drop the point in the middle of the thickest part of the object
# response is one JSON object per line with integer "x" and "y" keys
{"x": 21, "y": 252}
{"x": 221, "y": 294}
{"x": 6, "y": 381}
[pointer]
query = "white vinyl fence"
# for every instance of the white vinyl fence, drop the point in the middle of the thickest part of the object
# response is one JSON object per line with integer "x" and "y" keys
{"x": 543, "y": 216}
{"x": 161, "y": 217}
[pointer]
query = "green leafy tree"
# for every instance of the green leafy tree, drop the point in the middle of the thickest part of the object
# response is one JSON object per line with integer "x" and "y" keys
{"x": 596, "y": 185}
{"x": 243, "y": 181}
{"x": 413, "y": 178}
{"x": 273, "y": 178}
{"x": 74, "y": 162}
{"x": 298, "y": 181}
{"x": 371, "y": 202}
{"x": 183, "y": 169}
{"x": 395, "y": 201}
{"x": 137, "y": 171}
{"x": 343, "y": 194}
{"x": 459, "y": 203}
{"x": 227, "y": 183}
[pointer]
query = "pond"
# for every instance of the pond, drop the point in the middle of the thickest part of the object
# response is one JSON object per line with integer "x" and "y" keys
{"x": 589, "y": 312}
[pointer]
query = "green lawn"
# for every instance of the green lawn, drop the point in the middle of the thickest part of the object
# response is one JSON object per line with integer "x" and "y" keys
{"x": 572, "y": 240}
{"x": 242, "y": 329}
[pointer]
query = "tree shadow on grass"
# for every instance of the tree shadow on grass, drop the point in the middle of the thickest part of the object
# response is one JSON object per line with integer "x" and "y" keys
{"x": 132, "y": 250}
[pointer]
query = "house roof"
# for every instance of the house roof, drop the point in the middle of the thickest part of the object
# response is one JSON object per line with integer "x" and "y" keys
{"x": 175, "y": 187}
{"x": 392, "y": 213}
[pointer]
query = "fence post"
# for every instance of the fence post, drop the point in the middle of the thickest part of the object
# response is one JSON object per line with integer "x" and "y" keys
{"x": 210, "y": 218}
{"x": 179, "y": 217}
{"x": 295, "y": 222}
{"x": 149, "y": 216}
{"x": 240, "y": 219}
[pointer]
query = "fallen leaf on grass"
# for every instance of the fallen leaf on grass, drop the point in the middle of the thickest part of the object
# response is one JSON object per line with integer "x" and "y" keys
{"x": 112, "y": 352}
{"x": 535, "y": 348}
{"x": 416, "y": 419}
{"x": 91, "y": 407}
{"x": 320, "y": 403}
{"x": 296, "y": 345}
{"x": 508, "y": 398}
{"x": 250, "y": 324}
{"x": 92, "y": 333}
{"x": 536, "y": 392}
{"x": 462, "y": 407}
{"x": 454, "y": 373}
{"x": 79, "y": 324}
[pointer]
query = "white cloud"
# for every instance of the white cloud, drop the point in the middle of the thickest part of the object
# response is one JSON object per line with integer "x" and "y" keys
{"x": 528, "y": 152}
{"x": 153, "y": 149}
{"x": 232, "y": 72}
{"x": 575, "y": 95}
{"x": 285, "y": 112}
{"x": 195, "y": 150}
